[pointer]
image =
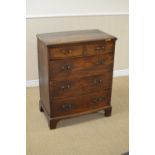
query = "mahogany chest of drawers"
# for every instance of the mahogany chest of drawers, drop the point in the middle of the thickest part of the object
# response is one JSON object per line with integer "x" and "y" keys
{"x": 75, "y": 73}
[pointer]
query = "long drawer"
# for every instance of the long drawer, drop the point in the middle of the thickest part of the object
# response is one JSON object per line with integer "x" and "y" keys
{"x": 76, "y": 87}
{"x": 80, "y": 67}
{"x": 61, "y": 107}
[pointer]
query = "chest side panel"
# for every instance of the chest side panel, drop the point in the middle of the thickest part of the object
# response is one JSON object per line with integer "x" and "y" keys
{"x": 43, "y": 75}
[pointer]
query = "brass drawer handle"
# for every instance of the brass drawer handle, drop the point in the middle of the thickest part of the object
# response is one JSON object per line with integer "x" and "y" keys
{"x": 64, "y": 87}
{"x": 66, "y": 67}
{"x": 67, "y": 107}
{"x": 97, "y": 81}
{"x": 66, "y": 51}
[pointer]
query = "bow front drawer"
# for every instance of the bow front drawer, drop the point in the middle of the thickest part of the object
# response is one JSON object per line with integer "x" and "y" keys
{"x": 83, "y": 103}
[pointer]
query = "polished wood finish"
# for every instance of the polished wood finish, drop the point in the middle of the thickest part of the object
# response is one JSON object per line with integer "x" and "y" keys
{"x": 80, "y": 86}
{"x": 81, "y": 67}
{"x": 108, "y": 111}
{"x": 75, "y": 73}
{"x": 65, "y": 51}
{"x": 61, "y": 107}
{"x": 80, "y": 49}
{"x": 60, "y": 38}
{"x": 43, "y": 66}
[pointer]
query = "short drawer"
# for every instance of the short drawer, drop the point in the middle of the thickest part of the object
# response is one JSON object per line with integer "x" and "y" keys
{"x": 65, "y": 51}
{"x": 80, "y": 86}
{"x": 81, "y": 104}
{"x": 99, "y": 48}
{"x": 81, "y": 67}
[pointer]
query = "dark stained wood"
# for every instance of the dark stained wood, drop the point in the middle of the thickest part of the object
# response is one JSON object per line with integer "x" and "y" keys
{"x": 65, "y": 51}
{"x": 75, "y": 73}
{"x": 53, "y": 123}
{"x": 58, "y": 38}
{"x": 40, "y": 107}
{"x": 61, "y": 107}
{"x": 81, "y": 67}
{"x": 43, "y": 67}
{"x": 99, "y": 47}
{"x": 81, "y": 49}
{"x": 54, "y": 120}
{"x": 80, "y": 86}
{"x": 108, "y": 111}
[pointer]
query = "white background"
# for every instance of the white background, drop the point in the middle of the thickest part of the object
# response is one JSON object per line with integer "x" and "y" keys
{"x": 12, "y": 78}
{"x": 39, "y": 8}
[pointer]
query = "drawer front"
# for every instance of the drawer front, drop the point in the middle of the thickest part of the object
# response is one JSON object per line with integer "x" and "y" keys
{"x": 80, "y": 104}
{"x": 98, "y": 48}
{"x": 81, "y": 67}
{"x": 65, "y": 51}
{"x": 76, "y": 87}
{"x": 80, "y": 50}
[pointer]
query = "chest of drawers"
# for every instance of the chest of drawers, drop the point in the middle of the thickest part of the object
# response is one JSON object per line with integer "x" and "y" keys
{"x": 75, "y": 73}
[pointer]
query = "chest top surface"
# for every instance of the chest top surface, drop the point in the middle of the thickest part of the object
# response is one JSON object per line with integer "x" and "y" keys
{"x": 73, "y": 37}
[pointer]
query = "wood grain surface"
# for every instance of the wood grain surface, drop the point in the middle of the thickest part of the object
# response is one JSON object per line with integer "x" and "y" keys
{"x": 75, "y": 73}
